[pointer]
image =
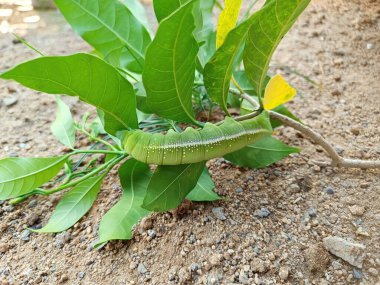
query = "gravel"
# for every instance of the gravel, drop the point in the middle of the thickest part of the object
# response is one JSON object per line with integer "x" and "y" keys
{"x": 219, "y": 213}
{"x": 263, "y": 213}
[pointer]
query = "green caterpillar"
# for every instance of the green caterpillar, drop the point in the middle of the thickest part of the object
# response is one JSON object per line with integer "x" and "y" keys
{"x": 192, "y": 145}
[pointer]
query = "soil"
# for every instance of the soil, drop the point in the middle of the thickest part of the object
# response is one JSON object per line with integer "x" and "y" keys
{"x": 276, "y": 218}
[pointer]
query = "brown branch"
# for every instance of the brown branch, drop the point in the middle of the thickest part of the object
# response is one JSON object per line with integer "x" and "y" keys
{"x": 337, "y": 160}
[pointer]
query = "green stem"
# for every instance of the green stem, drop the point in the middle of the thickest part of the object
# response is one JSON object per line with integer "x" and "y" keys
{"x": 107, "y": 167}
{"x": 96, "y": 138}
{"x": 96, "y": 151}
{"x": 39, "y": 191}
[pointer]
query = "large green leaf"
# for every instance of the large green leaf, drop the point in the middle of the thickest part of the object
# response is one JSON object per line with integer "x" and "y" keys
{"x": 163, "y": 8}
{"x": 73, "y": 205}
{"x": 138, "y": 10}
{"x": 204, "y": 189}
{"x": 63, "y": 128}
{"x": 170, "y": 185}
{"x": 111, "y": 28}
{"x": 120, "y": 219}
{"x": 86, "y": 76}
{"x": 170, "y": 67}
{"x": 261, "y": 154}
{"x": 218, "y": 71}
{"x": 267, "y": 31}
{"x": 19, "y": 176}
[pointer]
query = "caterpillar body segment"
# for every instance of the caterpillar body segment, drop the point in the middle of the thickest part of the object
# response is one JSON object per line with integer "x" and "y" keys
{"x": 192, "y": 145}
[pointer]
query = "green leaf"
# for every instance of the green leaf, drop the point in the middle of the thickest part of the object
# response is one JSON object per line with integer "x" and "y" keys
{"x": 86, "y": 76}
{"x": 218, "y": 71}
{"x": 170, "y": 185}
{"x": 19, "y": 176}
{"x": 120, "y": 219}
{"x": 163, "y": 8}
{"x": 73, "y": 205}
{"x": 204, "y": 189}
{"x": 169, "y": 71}
{"x": 261, "y": 154}
{"x": 63, "y": 128}
{"x": 267, "y": 31}
{"x": 204, "y": 31}
{"x": 109, "y": 27}
{"x": 137, "y": 10}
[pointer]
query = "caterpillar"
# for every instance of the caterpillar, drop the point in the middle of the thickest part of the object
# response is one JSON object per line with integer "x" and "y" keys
{"x": 192, "y": 145}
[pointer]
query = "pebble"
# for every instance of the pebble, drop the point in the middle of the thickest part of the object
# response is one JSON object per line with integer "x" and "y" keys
{"x": 152, "y": 233}
{"x": 63, "y": 278}
{"x": 355, "y": 131}
{"x": 132, "y": 265}
{"x": 32, "y": 219}
{"x": 243, "y": 277}
{"x": 62, "y": 238}
{"x": 370, "y": 46}
{"x": 10, "y": 101}
{"x": 192, "y": 239}
{"x": 142, "y": 269}
{"x": 317, "y": 258}
{"x": 194, "y": 267}
{"x": 357, "y": 210}
{"x": 258, "y": 265}
{"x": 81, "y": 274}
{"x": 284, "y": 273}
{"x": 4, "y": 247}
{"x": 329, "y": 190}
{"x": 239, "y": 190}
{"x": 32, "y": 204}
{"x": 357, "y": 273}
{"x": 351, "y": 252}
{"x": 25, "y": 235}
{"x": 9, "y": 208}
{"x": 146, "y": 224}
{"x": 312, "y": 212}
{"x": 263, "y": 213}
{"x": 218, "y": 213}
{"x": 373, "y": 271}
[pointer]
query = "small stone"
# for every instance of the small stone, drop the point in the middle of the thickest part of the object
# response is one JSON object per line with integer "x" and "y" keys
{"x": 329, "y": 190}
{"x": 373, "y": 271}
{"x": 312, "y": 212}
{"x": 355, "y": 131}
{"x": 4, "y": 247}
{"x": 10, "y": 101}
{"x": 218, "y": 213}
{"x": 357, "y": 273}
{"x": 62, "y": 238}
{"x": 258, "y": 265}
{"x": 317, "y": 258}
{"x": 239, "y": 190}
{"x": 357, "y": 210}
{"x": 336, "y": 93}
{"x": 192, "y": 239}
{"x": 294, "y": 188}
{"x": 32, "y": 219}
{"x": 194, "y": 267}
{"x": 370, "y": 46}
{"x": 133, "y": 265}
{"x": 215, "y": 259}
{"x": 25, "y": 235}
{"x": 262, "y": 213}
{"x": 142, "y": 269}
{"x": 243, "y": 277}
{"x": 152, "y": 233}
{"x": 32, "y": 204}
{"x": 146, "y": 223}
{"x": 81, "y": 274}
{"x": 183, "y": 275}
{"x": 284, "y": 273}
{"x": 63, "y": 278}
{"x": 9, "y": 208}
{"x": 351, "y": 252}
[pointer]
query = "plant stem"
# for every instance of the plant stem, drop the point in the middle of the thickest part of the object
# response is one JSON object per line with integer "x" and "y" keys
{"x": 39, "y": 191}
{"x": 336, "y": 159}
{"x": 96, "y": 138}
{"x": 96, "y": 151}
{"x": 107, "y": 167}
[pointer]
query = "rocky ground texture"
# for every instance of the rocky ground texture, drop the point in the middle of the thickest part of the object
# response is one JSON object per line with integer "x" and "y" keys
{"x": 292, "y": 223}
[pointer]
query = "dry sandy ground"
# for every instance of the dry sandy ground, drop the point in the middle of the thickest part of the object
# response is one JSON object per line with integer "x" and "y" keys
{"x": 335, "y": 43}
